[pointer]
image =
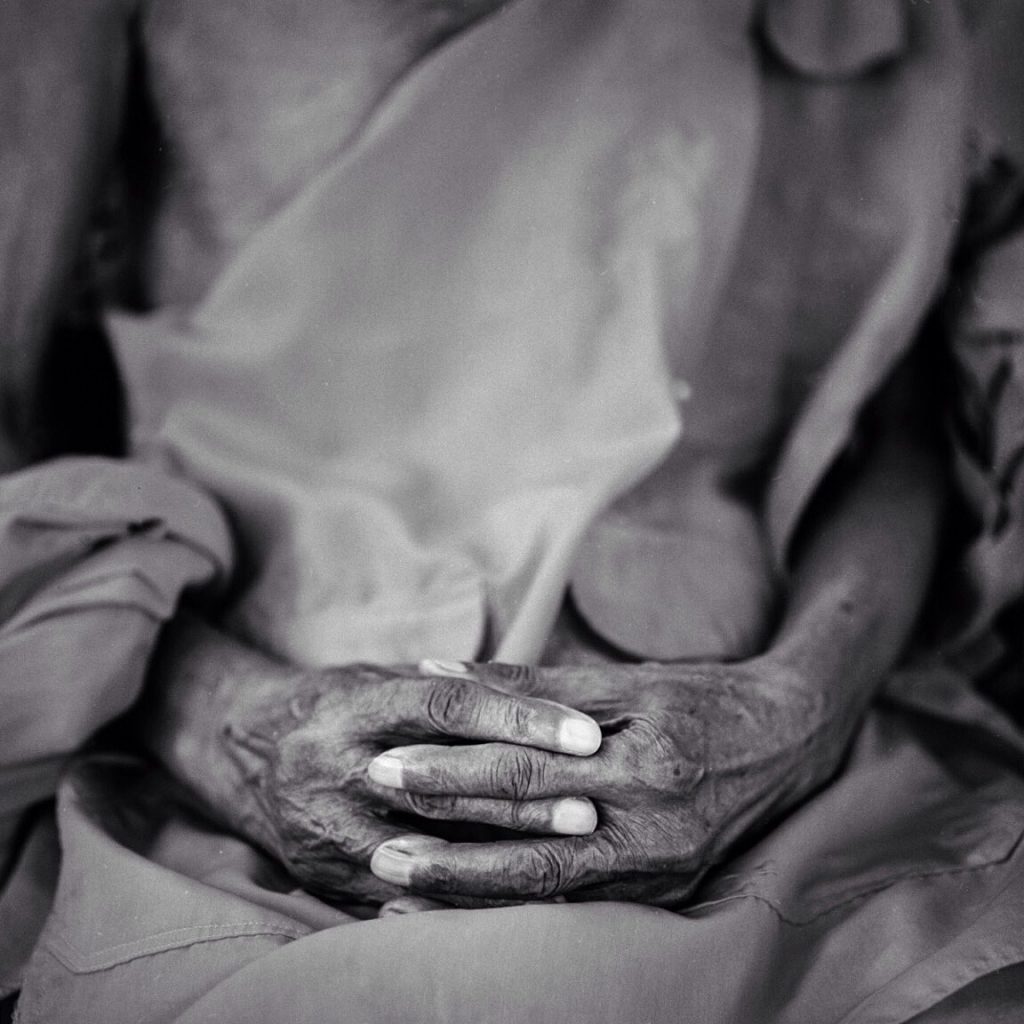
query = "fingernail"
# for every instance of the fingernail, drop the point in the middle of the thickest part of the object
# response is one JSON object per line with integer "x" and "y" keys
{"x": 386, "y": 770}
{"x": 579, "y": 736}
{"x": 391, "y": 864}
{"x": 393, "y": 861}
{"x": 399, "y": 910}
{"x": 574, "y": 817}
{"x": 432, "y": 667}
{"x": 408, "y": 905}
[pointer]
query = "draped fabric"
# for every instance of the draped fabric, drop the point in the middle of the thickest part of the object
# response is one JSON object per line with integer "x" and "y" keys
{"x": 449, "y": 398}
{"x": 94, "y": 557}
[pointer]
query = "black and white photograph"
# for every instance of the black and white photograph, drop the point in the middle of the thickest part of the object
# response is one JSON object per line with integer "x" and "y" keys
{"x": 511, "y": 511}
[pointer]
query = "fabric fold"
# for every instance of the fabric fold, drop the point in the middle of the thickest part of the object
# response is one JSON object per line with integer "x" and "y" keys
{"x": 834, "y": 39}
{"x": 418, "y": 425}
{"x": 95, "y": 556}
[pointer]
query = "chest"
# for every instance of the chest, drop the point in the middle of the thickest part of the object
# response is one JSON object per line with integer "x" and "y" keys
{"x": 820, "y": 229}
{"x": 255, "y": 96}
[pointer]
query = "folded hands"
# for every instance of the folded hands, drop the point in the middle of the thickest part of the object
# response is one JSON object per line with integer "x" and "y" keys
{"x": 628, "y": 781}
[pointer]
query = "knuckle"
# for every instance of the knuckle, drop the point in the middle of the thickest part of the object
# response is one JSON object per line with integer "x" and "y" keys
{"x": 515, "y": 774}
{"x": 523, "y": 816}
{"x": 308, "y": 844}
{"x": 655, "y": 760}
{"x": 443, "y": 808}
{"x": 448, "y": 704}
{"x": 303, "y": 762}
{"x": 519, "y": 719}
{"x": 297, "y": 755}
{"x": 546, "y": 871}
{"x": 437, "y": 877}
{"x": 520, "y": 678}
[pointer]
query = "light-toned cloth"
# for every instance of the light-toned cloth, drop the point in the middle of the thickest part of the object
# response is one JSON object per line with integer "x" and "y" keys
{"x": 419, "y": 416}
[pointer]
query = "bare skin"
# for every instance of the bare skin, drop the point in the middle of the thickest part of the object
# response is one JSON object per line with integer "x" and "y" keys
{"x": 693, "y": 756}
{"x": 280, "y": 754}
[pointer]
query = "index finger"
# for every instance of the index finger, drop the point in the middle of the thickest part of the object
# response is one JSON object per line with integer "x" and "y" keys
{"x": 520, "y": 869}
{"x": 463, "y": 708}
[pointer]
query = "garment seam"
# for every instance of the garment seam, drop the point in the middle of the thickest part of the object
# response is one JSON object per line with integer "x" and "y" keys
{"x": 79, "y": 962}
{"x": 68, "y": 954}
{"x": 801, "y": 921}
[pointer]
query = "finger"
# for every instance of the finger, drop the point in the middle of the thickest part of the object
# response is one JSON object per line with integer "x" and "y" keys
{"x": 329, "y": 855}
{"x": 463, "y": 707}
{"x": 410, "y": 905}
{"x": 570, "y": 816}
{"x": 498, "y": 770}
{"x": 574, "y": 686}
{"x": 523, "y": 869}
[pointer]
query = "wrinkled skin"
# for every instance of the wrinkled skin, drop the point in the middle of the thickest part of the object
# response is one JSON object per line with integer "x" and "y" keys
{"x": 693, "y": 757}
{"x": 302, "y": 791}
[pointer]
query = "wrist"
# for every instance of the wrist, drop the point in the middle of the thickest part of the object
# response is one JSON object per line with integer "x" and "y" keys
{"x": 821, "y": 709}
{"x": 206, "y": 695}
{"x": 789, "y": 680}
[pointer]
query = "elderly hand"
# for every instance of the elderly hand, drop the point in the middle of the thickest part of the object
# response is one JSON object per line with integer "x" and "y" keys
{"x": 693, "y": 758}
{"x": 301, "y": 754}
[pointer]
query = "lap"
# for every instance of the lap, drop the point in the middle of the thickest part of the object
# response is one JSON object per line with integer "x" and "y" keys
{"x": 997, "y": 998}
{"x": 889, "y": 891}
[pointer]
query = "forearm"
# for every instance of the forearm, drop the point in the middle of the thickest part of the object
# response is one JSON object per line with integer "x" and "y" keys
{"x": 862, "y": 573}
{"x": 202, "y": 687}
